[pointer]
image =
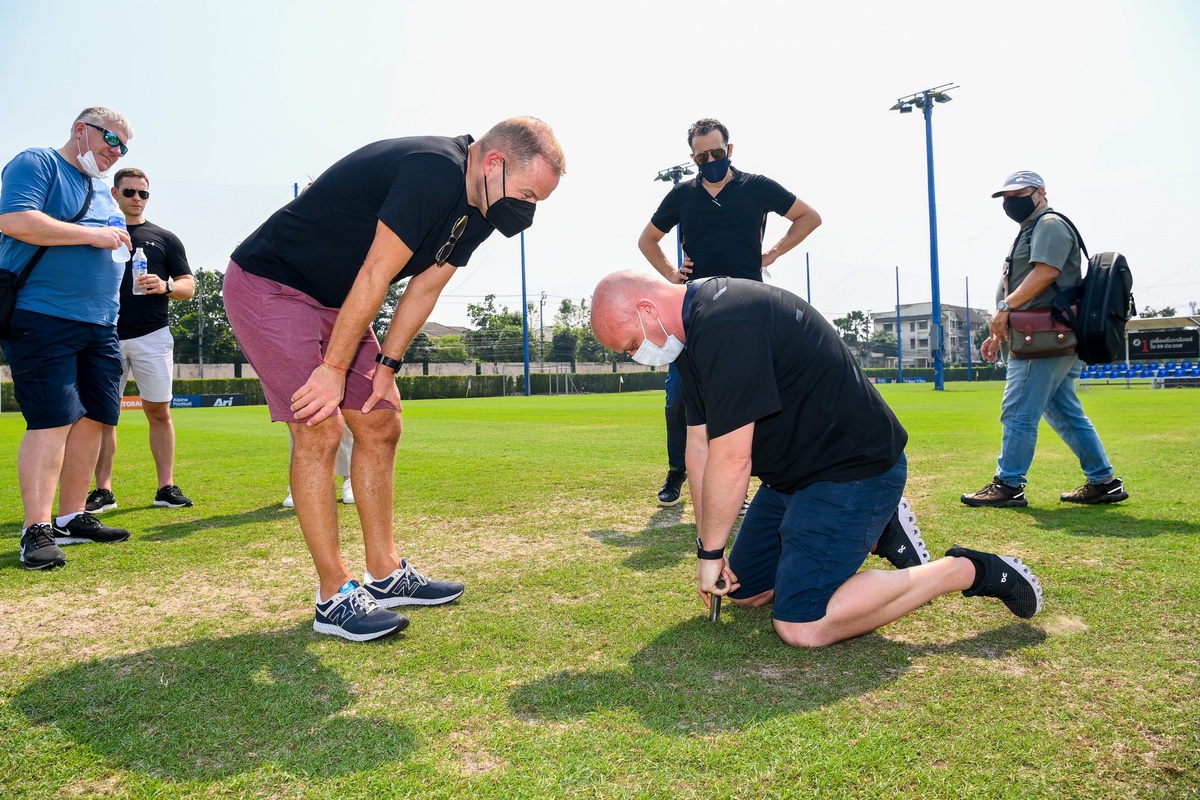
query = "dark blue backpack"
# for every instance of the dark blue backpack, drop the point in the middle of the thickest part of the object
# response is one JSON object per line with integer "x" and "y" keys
{"x": 1098, "y": 308}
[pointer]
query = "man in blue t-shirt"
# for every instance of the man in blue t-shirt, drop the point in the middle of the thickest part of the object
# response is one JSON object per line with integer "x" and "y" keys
{"x": 301, "y": 292}
{"x": 771, "y": 390}
{"x": 722, "y": 217}
{"x": 62, "y": 344}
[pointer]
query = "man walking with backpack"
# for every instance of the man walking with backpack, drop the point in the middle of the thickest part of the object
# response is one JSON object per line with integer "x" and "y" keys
{"x": 1045, "y": 255}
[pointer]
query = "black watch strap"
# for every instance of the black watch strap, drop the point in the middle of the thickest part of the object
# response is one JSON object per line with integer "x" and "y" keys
{"x": 708, "y": 555}
{"x": 390, "y": 363}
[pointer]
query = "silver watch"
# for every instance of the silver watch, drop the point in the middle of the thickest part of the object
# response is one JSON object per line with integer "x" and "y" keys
{"x": 170, "y": 285}
{"x": 1003, "y": 306}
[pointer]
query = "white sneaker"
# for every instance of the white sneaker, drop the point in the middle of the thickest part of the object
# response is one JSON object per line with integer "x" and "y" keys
{"x": 287, "y": 501}
{"x": 347, "y": 492}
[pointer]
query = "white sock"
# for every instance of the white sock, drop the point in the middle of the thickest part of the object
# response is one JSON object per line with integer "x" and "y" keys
{"x": 60, "y": 521}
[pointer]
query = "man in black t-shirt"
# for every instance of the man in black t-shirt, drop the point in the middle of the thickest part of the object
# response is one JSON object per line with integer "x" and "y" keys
{"x": 771, "y": 390}
{"x": 722, "y": 217}
{"x": 301, "y": 292}
{"x": 147, "y": 346}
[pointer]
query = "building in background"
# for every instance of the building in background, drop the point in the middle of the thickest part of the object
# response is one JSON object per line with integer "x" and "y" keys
{"x": 916, "y": 319}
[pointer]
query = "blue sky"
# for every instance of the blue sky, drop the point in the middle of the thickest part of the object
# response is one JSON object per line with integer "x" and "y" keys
{"x": 234, "y": 102}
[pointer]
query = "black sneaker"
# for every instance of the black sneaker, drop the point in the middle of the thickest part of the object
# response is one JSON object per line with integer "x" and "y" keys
{"x": 39, "y": 550}
{"x": 100, "y": 500}
{"x": 1006, "y": 578}
{"x": 407, "y": 587}
{"x": 997, "y": 495}
{"x": 672, "y": 488}
{"x": 86, "y": 528}
{"x": 353, "y": 614}
{"x": 901, "y": 543}
{"x": 1110, "y": 492}
{"x": 172, "y": 497}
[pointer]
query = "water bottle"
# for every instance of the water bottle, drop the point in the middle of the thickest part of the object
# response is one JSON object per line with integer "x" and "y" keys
{"x": 116, "y": 219}
{"x": 139, "y": 270}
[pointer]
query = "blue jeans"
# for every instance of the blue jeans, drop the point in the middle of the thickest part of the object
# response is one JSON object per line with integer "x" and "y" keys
{"x": 1045, "y": 387}
{"x": 676, "y": 421}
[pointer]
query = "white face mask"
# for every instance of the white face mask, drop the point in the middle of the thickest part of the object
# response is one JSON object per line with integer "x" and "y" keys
{"x": 87, "y": 161}
{"x": 653, "y": 355}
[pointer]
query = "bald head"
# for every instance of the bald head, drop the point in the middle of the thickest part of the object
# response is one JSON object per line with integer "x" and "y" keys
{"x": 626, "y": 302}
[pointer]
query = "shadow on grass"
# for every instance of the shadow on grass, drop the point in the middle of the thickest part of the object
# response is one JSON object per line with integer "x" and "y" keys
{"x": 1114, "y": 521}
{"x": 689, "y": 679}
{"x": 177, "y": 530}
{"x": 665, "y": 541}
{"x": 211, "y": 709}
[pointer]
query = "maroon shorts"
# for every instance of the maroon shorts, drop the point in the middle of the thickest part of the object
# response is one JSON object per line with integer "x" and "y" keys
{"x": 283, "y": 333}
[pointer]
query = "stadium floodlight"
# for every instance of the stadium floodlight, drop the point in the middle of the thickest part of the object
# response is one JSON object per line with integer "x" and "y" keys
{"x": 675, "y": 173}
{"x": 924, "y": 100}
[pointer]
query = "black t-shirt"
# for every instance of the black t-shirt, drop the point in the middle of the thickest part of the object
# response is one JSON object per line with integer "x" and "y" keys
{"x": 416, "y": 186}
{"x": 757, "y": 353}
{"x": 723, "y": 235}
{"x": 166, "y": 258}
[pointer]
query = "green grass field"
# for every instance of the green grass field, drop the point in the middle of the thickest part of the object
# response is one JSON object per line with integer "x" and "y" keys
{"x": 580, "y": 663}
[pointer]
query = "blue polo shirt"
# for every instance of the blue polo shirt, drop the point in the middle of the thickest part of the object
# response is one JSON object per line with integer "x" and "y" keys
{"x": 77, "y": 282}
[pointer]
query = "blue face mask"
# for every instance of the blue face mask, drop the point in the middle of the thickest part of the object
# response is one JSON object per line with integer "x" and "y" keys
{"x": 714, "y": 170}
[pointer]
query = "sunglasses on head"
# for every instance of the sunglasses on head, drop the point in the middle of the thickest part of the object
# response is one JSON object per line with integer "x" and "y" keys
{"x": 110, "y": 138}
{"x": 142, "y": 193}
{"x": 716, "y": 154}
{"x": 456, "y": 233}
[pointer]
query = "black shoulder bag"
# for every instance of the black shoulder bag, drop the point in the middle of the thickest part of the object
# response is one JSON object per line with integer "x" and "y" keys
{"x": 11, "y": 282}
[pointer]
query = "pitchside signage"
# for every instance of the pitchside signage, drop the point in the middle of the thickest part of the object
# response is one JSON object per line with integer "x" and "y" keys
{"x": 193, "y": 401}
{"x": 1157, "y": 345}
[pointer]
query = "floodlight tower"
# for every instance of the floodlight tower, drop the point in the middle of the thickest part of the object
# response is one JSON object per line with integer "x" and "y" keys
{"x": 924, "y": 100}
{"x": 675, "y": 175}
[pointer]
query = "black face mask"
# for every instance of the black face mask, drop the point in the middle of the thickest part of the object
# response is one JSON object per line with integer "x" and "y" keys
{"x": 508, "y": 215}
{"x": 1019, "y": 209}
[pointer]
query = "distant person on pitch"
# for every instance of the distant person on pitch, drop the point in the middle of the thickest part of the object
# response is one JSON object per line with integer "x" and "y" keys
{"x": 147, "y": 346}
{"x": 722, "y": 216}
{"x": 345, "y": 451}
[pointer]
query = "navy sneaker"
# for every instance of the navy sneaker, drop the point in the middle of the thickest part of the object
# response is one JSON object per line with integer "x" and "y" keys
{"x": 171, "y": 496}
{"x": 100, "y": 500}
{"x": 901, "y": 543}
{"x": 86, "y": 528}
{"x": 1006, "y": 578}
{"x": 353, "y": 614}
{"x": 407, "y": 587}
{"x": 38, "y": 548}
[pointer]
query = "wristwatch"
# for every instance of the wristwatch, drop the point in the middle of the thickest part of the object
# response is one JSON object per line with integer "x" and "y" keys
{"x": 170, "y": 285}
{"x": 708, "y": 555}
{"x": 391, "y": 363}
{"x": 1003, "y": 306}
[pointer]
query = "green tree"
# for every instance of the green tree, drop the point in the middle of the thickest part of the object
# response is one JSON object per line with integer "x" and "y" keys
{"x": 573, "y": 336}
{"x": 884, "y": 342}
{"x": 201, "y": 322}
{"x": 855, "y": 330}
{"x": 499, "y": 333}
{"x": 383, "y": 319}
{"x": 449, "y": 349}
{"x": 1168, "y": 311}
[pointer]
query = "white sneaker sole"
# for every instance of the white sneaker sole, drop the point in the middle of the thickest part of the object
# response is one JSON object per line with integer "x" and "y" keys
{"x": 336, "y": 630}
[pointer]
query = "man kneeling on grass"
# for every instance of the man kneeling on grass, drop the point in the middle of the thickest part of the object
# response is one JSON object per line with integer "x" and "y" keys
{"x": 771, "y": 390}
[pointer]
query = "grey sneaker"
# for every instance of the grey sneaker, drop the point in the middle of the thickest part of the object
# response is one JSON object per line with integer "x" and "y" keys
{"x": 407, "y": 587}
{"x": 39, "y": 550}
{"x": 1091, "y": 493}
{"x": 100, "y": 500}
{"x": 1005, "y": 578}
{"x": 997, "y": 495}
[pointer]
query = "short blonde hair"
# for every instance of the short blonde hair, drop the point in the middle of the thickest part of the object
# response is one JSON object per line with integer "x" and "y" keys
{"x": 522, "y": 139}
{"x": 105, "y": 118}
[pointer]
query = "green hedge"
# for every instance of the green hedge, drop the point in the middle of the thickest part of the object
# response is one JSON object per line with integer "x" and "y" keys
{"x": 432, "y": 387}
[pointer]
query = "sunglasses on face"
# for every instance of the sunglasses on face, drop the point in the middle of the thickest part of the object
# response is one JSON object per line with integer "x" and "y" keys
{"x": 716, "y": 154}
{"x": 142, "y": 193}
{"x": 110, "y": 138}
{"x": 456, "y": 233}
